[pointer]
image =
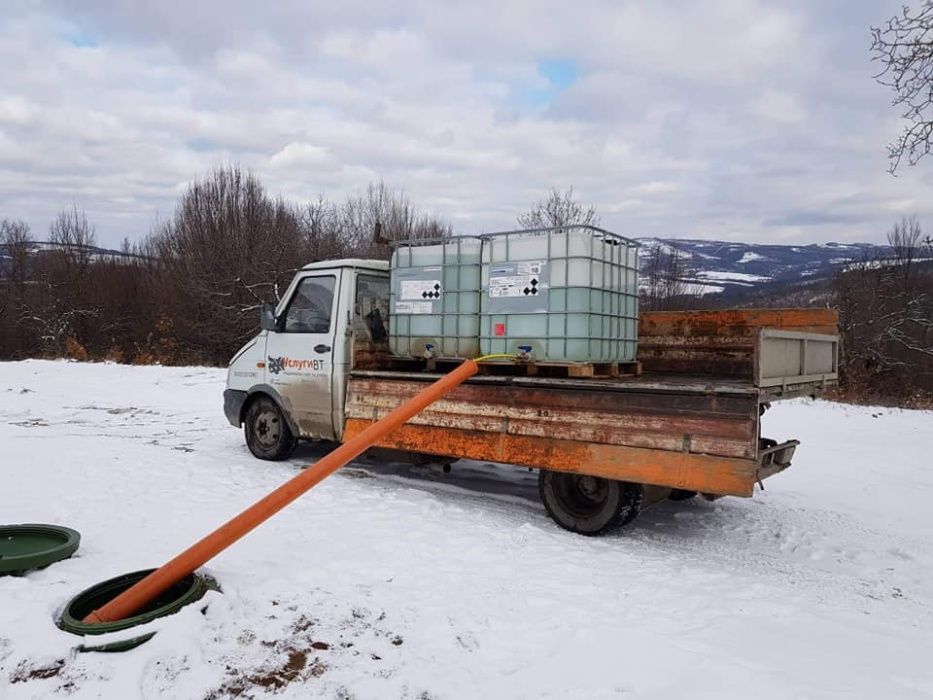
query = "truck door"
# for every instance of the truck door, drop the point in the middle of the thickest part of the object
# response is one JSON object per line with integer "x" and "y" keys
{"x": 300, "y": 354}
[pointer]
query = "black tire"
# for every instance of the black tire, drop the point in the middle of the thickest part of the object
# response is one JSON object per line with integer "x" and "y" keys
{"x": 681, "y": 495}
{"x": 267, "y": 433}
{"x": 588, "y": 505}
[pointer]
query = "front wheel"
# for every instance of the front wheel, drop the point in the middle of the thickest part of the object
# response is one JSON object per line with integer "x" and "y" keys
{"x": 588, "y": 505}
{"x": 267, "y": 434}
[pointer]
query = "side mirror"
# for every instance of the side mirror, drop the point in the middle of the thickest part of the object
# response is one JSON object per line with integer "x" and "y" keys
{"x": 267, "y": 317}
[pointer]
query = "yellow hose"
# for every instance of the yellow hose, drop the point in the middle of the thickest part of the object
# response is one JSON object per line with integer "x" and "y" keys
{"x": 496, "y": 356}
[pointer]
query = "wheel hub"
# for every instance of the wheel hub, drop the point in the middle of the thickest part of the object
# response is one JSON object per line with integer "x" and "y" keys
{"x": 267, "y": 428}
{"x": 581, "y": 494}
{"x": 589, "y": 487}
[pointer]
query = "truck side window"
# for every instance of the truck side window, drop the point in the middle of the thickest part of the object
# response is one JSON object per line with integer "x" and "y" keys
{"x": 372, "y": 304}
{"x": 310, "y": 308}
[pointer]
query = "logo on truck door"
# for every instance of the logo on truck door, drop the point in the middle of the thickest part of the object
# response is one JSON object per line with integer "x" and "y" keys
{"x": 280, "y": 364}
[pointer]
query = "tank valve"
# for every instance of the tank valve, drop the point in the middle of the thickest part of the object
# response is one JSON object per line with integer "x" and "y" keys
{"x": 524, "y": 353}
{"x": 429, "y": 352}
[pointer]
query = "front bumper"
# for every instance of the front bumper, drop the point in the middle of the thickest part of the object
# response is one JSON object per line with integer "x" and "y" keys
{"x": 233, "y": 406}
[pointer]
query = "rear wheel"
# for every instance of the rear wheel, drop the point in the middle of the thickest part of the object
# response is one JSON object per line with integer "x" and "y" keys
{"x": 588, "y": 505}
{"x": 267, "y": 433}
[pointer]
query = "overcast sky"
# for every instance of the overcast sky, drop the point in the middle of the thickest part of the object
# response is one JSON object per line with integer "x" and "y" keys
{"x": 731, "y": 119}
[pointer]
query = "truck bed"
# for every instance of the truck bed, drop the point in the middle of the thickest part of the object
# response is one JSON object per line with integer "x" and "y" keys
{"x": 696, "y": 431}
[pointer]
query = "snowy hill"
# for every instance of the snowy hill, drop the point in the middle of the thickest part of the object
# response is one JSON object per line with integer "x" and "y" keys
{"x": 717, "y": 266}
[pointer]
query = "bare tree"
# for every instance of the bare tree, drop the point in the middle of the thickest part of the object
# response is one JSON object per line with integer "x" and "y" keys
{"x": 400, "y": 220}
{"x": 228, "y": 247}
{"x": 321, "y": 232}
{"x": 14, "y": 246}
{"x": 62, "y": 305}
{"x": 886, "y": 317}
{"x": 665, "y": 278}
{"x": 14, "y": 274}
{"x": 906, "y": 241}
{"x": 558, "y": 209}
{"x": 904, "y": 48}
{"x": 74, "y": 234}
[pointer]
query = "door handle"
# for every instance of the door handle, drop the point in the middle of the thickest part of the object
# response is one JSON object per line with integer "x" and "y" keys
{"x": 322, "y": 348}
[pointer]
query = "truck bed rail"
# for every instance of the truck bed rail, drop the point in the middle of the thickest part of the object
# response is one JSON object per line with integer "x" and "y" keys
{"x": 782, "y": 351}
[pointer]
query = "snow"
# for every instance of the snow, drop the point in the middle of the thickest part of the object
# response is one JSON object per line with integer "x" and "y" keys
{"x": 431, "y": 585}
{"x": 704, "y": 289}
{"x": 726, "y": 276}
{"x": 749, "y": 256}
{"x": 666, "y": 248}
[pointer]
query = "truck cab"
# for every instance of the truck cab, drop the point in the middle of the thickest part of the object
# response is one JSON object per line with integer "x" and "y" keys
{"x": 289, "y": 381}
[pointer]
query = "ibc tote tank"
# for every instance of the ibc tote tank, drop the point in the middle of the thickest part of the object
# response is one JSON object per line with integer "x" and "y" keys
{"x": 434, "y": 298}
{"x": 570, "y": 293}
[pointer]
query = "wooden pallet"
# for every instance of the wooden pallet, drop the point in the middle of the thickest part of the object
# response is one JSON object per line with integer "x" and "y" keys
{"x": 567, "y": 370}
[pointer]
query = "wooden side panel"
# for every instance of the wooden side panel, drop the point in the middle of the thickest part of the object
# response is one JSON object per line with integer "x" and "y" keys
{"x": 699, "y": 423}
{"x": 735, "y": 322}
{"x": 718, "y": 343}
{"x": 694, "y": 472}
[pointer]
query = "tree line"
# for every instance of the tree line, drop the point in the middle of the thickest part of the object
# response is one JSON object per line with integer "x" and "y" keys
{"x": 885, "y": 305}
{"x": 189, "y": 293}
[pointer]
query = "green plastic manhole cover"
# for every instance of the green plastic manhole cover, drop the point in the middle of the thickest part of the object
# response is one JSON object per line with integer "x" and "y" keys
{"x": 184, "y": 592}
{"x": 25, "y": 547}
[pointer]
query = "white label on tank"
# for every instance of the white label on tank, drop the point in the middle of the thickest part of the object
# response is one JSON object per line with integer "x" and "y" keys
{"x": 413, "y": 307}
{"x": 531, "y": 267}
{"x": 427, "y": 290}
{"x": 520, "y": 280}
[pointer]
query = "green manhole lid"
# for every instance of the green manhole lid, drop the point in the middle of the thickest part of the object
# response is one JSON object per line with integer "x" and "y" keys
{"x": 24, "y": 547}
{"x": 186, "y": 591}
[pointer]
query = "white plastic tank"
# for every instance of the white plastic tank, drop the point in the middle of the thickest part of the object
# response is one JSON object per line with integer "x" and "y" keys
{"x": 434, "y": 298}
{"x": 566, "y": 294}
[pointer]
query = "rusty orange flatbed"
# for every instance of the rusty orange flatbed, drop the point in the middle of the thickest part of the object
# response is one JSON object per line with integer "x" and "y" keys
{"x": 691, "y": 422}
{"x": 695, "y": 436}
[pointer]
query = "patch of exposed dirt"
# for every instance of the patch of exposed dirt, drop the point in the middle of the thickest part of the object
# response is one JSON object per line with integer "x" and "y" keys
{"x": 301, "y": 652}
{"x": 296, "y": 666}
{"x": 25, "y": 673}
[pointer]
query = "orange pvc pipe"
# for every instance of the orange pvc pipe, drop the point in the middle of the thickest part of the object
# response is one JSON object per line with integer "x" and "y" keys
{"x": 163, "y": 578}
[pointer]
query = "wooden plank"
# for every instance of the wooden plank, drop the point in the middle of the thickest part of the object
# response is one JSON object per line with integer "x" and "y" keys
{"x": 669, "y": 439}
{"x": 709, "y": 424}
{"x": 598, "y": 397}
{"x": 693, "y": 472}
{"x": 735, "y": 322}
{"x": 583, "y": 370}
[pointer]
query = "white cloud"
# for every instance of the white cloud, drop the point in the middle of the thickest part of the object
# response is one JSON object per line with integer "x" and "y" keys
{"x": 778, "y": 106}
{"x": 733, "y": 119}
{"x": 304, "y": 155}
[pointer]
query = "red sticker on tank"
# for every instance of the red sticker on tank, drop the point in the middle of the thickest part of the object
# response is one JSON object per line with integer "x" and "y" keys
{"x": 500, "y": 329}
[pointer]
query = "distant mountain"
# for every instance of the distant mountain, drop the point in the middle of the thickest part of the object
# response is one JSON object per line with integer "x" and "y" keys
{"x": 36, "y": 249}
{"x": 738, "y": 270}
{"x": 731, "y": 272}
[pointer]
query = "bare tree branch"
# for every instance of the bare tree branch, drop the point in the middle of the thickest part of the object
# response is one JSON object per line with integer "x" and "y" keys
{"x": 904, "y": 48}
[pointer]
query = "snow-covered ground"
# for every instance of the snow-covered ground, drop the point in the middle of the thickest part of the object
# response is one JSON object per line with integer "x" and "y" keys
{"x": 750, "y": 256}
{"x": 397, "y": 582}
{"x": 726, "y": 276}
